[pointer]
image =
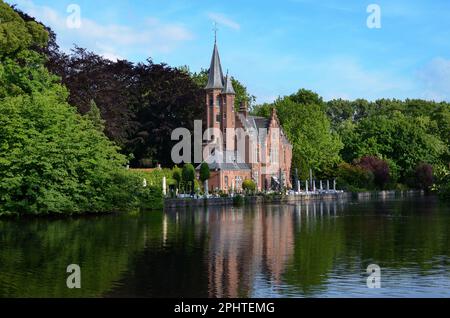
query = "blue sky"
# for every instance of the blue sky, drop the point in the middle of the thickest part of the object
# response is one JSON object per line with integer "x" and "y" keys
{"x": 274, "y": 47}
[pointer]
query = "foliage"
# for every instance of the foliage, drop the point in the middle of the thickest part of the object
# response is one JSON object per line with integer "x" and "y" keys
{"x": 238, "y": 200}
{"x": 188, "y": 176}
{"x": 308, "y": 129}
{"x": 52, "y": 159}
{"x": 378, "y": 167}
{"x": 205, "y": 173}
{"x": 249, "y": 186}
{"x": 177, "y": 175}
{"x": 423, "y": 176}
{"x": 141, "y": 103}
{"x": 442, "y": 179}
{"x": 354, "y": 178}
{"x": 95, "y": 117}
{"x": 407, "y": 141}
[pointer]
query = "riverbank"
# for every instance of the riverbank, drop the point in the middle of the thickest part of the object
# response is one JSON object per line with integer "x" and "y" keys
{"x": 277, "y": 198}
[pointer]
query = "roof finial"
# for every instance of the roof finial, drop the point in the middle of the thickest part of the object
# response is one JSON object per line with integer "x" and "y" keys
{"x": 215, "y": 29}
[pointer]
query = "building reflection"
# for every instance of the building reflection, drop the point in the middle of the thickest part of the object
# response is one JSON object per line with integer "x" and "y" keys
{"x": 247, "y": 243}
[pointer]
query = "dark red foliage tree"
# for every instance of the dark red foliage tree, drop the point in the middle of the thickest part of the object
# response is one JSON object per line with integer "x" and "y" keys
{"x": 141, "y": 104}
{"x": 378, "y": 167}
{"x": 424, "y": 176}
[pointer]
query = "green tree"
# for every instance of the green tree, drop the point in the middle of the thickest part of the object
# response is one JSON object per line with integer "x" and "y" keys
{"x": 95, "y": 116}
{"x": 177, "y": 175}
{"x": 315, "y": 146}
{"x": 188, "y": 175}
{"x": 205, "y": 174}
{"x": 403, "y": 139}
{"x": 52, "y": 159}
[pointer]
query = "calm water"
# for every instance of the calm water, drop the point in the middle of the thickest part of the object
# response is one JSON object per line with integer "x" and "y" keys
{"x": 290, "y": 250}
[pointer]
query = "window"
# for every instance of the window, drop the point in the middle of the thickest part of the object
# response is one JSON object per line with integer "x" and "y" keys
{"x": 218, "y": 117}
{"x": 274, "y": 154}
{"x": 211, "y": 101}
{"x": 255, "y": 154}
{"x": 226, "y": 182}
{"x": 238, "y": 181}
{"x": 256, "y": 178}
{"x": 218, "y": 101}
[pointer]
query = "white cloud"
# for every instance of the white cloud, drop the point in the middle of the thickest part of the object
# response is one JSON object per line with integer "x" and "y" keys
{"x": 435, "y": 76}
{"x": 154, "y": 36}
{"x": 223, "y": 20}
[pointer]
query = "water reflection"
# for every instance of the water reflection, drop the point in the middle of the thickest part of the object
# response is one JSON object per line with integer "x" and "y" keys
{"x": 290, "y": 250}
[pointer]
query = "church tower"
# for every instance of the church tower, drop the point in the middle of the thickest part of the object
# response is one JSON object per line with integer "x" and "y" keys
{"x": 220, "y": 97}
{"x": 214, "y": 90}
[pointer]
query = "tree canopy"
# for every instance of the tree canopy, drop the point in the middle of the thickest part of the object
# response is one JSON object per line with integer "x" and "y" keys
{"x": 52, "y": 159}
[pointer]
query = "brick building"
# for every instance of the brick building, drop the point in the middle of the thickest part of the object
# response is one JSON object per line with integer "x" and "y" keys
{"x": 242, "y": 146}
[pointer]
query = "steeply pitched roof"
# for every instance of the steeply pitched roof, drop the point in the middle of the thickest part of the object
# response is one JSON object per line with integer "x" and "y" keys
{"x": 215, "y": 76}
{"x": 228, "y": 89}
{"x": 218, "y": 162}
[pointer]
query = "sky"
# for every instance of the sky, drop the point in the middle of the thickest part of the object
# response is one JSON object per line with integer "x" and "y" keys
{"x": 273, "y": 47}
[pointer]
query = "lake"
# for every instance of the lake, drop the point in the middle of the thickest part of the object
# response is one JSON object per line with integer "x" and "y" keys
{"x": 315, "y": 249}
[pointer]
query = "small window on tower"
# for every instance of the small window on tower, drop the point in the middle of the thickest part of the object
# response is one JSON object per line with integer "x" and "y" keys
{"x": 211, "y": 101}
{"x": 218, "y": 118}
{"x": 218, "y": 101}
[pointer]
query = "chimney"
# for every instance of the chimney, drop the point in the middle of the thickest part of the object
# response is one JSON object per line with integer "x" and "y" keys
{"x": 244, "y": 108}
{"x": 274, "y": 116}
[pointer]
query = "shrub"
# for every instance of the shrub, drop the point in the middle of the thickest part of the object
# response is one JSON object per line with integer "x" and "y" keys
{"x": 188, "y": 176}
{"x": 354, "y": 178}
{"x": 238, "y": 200}
{"x": 378, "y": 167}
{"x": 424, "y": 176}
{"x": 249, "y": 186}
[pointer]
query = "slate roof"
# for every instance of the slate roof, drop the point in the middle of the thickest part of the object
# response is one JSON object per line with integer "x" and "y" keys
{"x": 215, "y": 76}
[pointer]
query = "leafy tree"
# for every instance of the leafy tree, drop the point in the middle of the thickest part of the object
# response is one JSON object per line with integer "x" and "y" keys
{"x": 307, "y": 97}
{"x": 177, "y": 175}
{"x": 315, "y": 146}
{"x": 263, "y": 110}
{"x": 405, "y": 140}
{"x": 354, "y": 178}
{"x": 379, "y": 169}
{"x": 188, "y": 175}
{"x": 52, "y": 159}
{"x": 205, "y": 173}
{"x": 95, "y": 116}
{"x": 424, "y": 176}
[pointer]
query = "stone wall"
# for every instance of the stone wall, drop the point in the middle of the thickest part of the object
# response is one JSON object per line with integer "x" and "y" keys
{"x": 268, "y": 199}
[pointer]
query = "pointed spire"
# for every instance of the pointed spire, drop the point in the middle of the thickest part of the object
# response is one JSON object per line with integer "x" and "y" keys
{"x": 228, "y": 89}
{"x": 215, "y": 77}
